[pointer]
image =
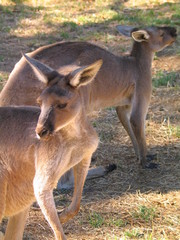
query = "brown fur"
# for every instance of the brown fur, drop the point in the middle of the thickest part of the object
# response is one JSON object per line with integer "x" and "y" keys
{"x": 123, "y": 82}
{"x": 29, "y": 167}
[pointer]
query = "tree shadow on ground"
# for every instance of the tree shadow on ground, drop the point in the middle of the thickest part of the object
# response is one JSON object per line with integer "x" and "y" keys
{"x": 102, "y": 31}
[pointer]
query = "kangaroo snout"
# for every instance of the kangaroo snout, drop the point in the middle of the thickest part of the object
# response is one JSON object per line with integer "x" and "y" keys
{"x": 43, "y": 133}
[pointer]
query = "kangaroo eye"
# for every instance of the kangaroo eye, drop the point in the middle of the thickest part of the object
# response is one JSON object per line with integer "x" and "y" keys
{"x": 61, "y": 106}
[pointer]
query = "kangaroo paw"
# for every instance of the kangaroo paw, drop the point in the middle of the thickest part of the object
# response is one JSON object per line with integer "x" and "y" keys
{"x": 152, "y": 165}
{"x": 110, "y": 168}
{"x": 93, "y": 159}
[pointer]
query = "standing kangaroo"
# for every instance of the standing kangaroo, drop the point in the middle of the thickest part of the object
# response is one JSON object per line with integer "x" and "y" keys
{"x": 123, "y": 81}
{"x": 37, "y": 146}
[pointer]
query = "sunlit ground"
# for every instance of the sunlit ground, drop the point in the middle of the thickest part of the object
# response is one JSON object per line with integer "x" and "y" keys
{"x": 125, "y": 204}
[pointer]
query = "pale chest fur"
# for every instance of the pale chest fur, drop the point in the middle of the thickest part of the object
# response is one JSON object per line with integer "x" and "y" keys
{"x": 64, "y": 151}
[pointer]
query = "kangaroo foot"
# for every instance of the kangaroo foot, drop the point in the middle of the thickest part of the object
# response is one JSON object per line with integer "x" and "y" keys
{"x": 110, "y": 168}
{"x": 65, "y": 215}
{"x": 151, "y": 165}
{"x": 150, "y": 157}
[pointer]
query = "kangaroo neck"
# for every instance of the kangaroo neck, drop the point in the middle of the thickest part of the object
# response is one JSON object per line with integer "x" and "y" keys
{"x": 143, "y": 55}
{"x": 75, "y": 128}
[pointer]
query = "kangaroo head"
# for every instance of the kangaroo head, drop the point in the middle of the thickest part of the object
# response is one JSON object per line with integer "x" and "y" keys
{"x": 60, "y": 101}
{"x": 155, "y": 38}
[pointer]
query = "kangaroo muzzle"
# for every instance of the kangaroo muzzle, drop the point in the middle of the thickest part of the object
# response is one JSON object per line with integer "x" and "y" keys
{"x": 43, "y": 132}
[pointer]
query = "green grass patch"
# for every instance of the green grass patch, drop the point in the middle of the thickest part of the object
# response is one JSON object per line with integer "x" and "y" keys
{"x": 65, "y": 35}
{"x": 175, "y": 131}
{"x": 144, "y": 18}
{"x": 1, "y": 83}
{"x": 3, "y": 79}
{"x": 94, "y": 124}
{"x": 72, "y": 25}
{"x": 117, "y": 222}
{"x": 96, "y": 220}
{"x": 148, "y": 16}
{"x": 6, "y": 9}
{"x": 162, "y": 78}
{"x": 144, "y": 213}
{"x": 62, "y": 18}
{"x": 1, "y": 58}
{"x": 133, "y": 234}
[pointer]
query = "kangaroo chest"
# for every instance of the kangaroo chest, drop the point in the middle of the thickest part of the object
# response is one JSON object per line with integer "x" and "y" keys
{"x": 57, "y": 156}
{"x": 78, "y": 148}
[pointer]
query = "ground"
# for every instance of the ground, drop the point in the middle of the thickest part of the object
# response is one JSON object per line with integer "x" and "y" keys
{"x": 128, "y": 203}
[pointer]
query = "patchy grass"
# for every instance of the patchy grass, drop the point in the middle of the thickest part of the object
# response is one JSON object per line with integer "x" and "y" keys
{"x": 1, "y": 83}
{"x": 134, "y": 234}
{"x": 127, "y": 204}
{"x": 175, "y": 130}
{"x": 163, "y": 78}
{"x": 3, "y": 78}
{"x": 1, "y": 58}
{"x": 96, "y": 220}
{"x": 116, "y": 222}
{"x": 144, "y": 213}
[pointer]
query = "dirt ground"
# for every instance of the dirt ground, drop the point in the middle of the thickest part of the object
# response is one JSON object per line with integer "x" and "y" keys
{"x": 128, "y": 203}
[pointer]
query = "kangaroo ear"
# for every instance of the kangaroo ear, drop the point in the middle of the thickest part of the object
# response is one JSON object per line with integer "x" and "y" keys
{"x": 44, "y": 73}
{"x": 125, "y": 30}
{"x": 140, "y": 36}
{"x": 84, "y": 75}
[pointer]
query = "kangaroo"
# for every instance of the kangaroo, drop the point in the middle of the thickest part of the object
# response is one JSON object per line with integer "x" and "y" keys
{"x": 123, "y": 81}
{"x": 38, "y": 145}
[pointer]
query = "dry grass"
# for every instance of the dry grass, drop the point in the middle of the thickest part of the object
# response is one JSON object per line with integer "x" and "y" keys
{"x": 129, "y": 203}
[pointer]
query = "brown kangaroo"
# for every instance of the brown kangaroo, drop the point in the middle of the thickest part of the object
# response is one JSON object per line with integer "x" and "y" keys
{"x": 123, "y": 81}
{"x": 37, "y": 146}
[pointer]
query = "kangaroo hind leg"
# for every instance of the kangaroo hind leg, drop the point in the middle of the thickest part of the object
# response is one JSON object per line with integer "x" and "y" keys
{"x": 123, "y": 113}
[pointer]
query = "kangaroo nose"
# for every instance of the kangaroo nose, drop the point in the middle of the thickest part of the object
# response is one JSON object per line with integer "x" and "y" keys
{"x": 42, "y": 133}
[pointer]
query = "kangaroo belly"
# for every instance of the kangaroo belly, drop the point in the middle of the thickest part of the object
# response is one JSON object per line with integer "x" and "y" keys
{"x": 19, "y": 198}
{"x": 20, "y": 193}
